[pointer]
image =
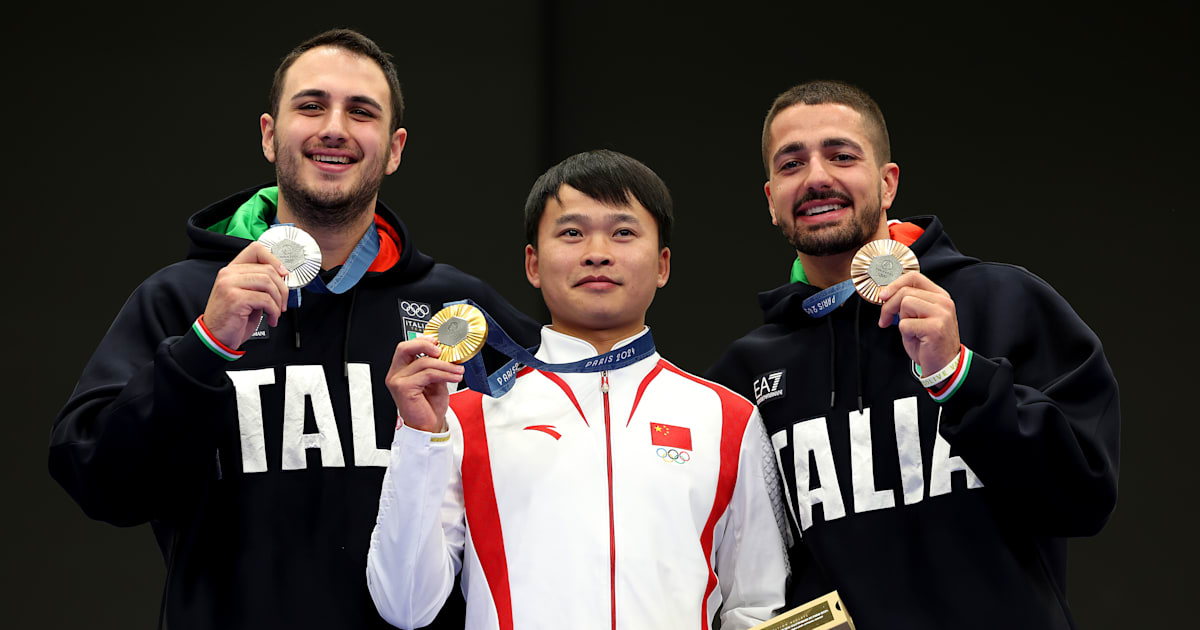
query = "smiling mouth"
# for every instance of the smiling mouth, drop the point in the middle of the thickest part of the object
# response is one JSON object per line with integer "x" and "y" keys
{"x": 820, "y": 209}
{"x": 331, "y": 159}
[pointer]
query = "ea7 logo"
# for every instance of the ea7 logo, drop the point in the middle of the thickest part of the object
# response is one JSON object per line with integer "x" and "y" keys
{"x": 769, "y": 386}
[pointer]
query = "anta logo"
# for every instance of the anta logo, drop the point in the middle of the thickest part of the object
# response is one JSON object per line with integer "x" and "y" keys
{"x": 836, "y": 480}
{"x": 769, "y": 386}
{"x": 548, "y": 429}
{"x": 305, "y": 387}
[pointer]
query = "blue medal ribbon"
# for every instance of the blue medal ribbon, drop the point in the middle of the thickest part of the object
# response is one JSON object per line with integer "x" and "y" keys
{"x": 499, "y": 382}
{"x": 827, "y": 300}
{"x": 352, "y": 270}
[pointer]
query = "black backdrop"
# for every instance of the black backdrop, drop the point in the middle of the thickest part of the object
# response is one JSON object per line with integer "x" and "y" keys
{"x": 1058, "y": 140}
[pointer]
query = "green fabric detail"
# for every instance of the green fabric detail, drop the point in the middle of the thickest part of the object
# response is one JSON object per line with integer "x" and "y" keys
{"x": 249, "y": 221}
{"x": 798, "y": 274}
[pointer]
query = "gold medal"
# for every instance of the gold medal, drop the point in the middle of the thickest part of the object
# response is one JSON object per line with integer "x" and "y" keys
{"x": 878, "y": 264}
{"x": 296, "y": 250}
{"x": 460, "y": 330}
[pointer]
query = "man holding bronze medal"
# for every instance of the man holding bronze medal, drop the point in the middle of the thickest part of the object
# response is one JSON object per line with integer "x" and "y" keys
{"x": 940, "y": 432}
{"x": 593, "y": 485}
{"x": 238, "y": 403}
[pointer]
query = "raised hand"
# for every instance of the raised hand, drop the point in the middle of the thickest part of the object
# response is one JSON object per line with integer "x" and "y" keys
{"x": 248, "y": 288}
{"x": 419, "y": 384}
{"x": 928, "y": 322}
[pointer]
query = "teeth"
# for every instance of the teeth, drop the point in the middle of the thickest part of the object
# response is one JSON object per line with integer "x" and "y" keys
{"x": 333, "y": 159}
{"x": 821, "y": 209}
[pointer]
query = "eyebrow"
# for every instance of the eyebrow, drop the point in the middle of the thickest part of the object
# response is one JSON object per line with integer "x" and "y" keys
{"x": 615, "y": 217}
{"x": 322, "y": 94}
{"x": 828, "y": 143}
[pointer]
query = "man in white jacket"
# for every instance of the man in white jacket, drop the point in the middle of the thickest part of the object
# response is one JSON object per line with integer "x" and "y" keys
{"x": 637, "y": 496}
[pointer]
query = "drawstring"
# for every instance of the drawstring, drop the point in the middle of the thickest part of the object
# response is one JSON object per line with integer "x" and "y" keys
{"x": 346, "y": 344}
{"x": 858, "y": 353}
{"x": 832, "y": 363}
{"x": 295, "y": 315}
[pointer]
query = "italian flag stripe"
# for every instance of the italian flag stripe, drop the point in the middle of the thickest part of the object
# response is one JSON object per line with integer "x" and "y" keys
{"x": 216, "y": 346}
{"x": 956, "y": 381}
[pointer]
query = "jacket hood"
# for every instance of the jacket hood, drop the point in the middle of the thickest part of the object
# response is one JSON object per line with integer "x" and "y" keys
{"x": 934, "y": 249}
{"x": 206, "y": 245}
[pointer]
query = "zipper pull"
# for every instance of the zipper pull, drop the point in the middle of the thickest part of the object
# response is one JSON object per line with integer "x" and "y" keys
{"x": 604, "y": 382}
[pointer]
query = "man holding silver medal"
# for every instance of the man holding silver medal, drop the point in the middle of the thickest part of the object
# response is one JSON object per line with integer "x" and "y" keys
{"x": 244, "y": 417}
{"x": 940, "y": 432}
{"x": 607, "y": 488}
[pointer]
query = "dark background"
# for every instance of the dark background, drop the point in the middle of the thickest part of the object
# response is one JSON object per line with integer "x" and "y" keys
{"x": 1060, "y": 140}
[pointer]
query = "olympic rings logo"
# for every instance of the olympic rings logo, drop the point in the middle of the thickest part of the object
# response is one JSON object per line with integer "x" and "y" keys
{"x": 673, "y": 455}
{"x": 415, "y": 309}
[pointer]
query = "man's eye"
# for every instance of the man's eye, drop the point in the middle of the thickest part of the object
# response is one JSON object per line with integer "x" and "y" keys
{"x": 844, "y": 157}
{"x": 362, "y": 112}
{"x": 624, "y": 232}
{"x": 790, "y": 164}
{"x": 571, "y": 232}
{"x": 310, "y": 106}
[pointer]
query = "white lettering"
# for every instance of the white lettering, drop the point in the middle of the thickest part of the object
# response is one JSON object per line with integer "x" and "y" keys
{"x": 812, "y": 436}
{"x": 362, "y": 418}
{"x": 307, "y": 382}
{"x": 246, "y": 384}
{"x": 908, "y": 447}
{"x": 944, "y": 465}
{"x": 862, "y": 467}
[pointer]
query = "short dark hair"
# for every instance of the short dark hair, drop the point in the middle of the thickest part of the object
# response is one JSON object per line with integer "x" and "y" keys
{"x": 608, "y": 177}
{"x": 838, "y": 92}
{"x": 350, "y": 41}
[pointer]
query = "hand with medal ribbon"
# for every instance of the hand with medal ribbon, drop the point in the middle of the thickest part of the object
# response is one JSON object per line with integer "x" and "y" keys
{"x": 887, "y": 273}
{"x": 255, "y": 285}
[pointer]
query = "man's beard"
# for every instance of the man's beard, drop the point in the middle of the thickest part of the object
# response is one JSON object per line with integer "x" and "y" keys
{"x": 827, "y": 240}
{"x": 326, "y": 209}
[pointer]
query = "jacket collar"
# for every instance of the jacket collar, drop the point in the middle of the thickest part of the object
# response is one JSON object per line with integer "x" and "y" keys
{"x": 560, "y": 348}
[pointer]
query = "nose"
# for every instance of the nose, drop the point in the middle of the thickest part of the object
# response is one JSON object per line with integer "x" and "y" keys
{"x": 819, "y": 176}
{"x": 598, "y": 254}
{"x": 333, "y": 129}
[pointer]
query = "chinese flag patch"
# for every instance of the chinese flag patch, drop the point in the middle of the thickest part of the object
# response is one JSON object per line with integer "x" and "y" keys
{"x": 670, "y": 436}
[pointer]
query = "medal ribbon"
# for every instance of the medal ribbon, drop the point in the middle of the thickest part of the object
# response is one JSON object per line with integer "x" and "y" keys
{"x": 499, "y": 382}
{"x": 351, "y": 272}
{"x": 827, "y": 300}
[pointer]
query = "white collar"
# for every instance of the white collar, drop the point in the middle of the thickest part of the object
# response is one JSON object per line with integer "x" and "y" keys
{"x": 561, "y": 348}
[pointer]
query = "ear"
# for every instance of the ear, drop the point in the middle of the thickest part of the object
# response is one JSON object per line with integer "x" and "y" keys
{"x": 396, "y": 147}
{"x": 664, "y": 266}
{"x": 889, "y": 183}
{"x": 531, "y": 267}
{"x": 267, "y": 126}
{"x": 770, "y": 203}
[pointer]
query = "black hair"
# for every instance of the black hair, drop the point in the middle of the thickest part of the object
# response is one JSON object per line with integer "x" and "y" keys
{"x": 608, "y": 177}
{"x": 351, "y": 41}
{"x": 838, "y": 92}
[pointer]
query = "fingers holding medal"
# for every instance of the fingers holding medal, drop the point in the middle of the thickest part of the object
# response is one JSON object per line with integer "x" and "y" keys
{"x": 887, "y": 273}
{"x": 460, "y": 330}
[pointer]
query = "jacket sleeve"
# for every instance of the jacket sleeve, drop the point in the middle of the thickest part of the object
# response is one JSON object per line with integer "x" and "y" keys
{"x": 137, "y": 432}
{"x": 752, "y": 567}
{"x": 1037, "y": 416}
{"x": 417, "y": 545}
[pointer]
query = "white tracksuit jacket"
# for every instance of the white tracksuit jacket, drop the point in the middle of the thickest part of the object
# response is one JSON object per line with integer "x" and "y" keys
{"x": 563, "y": 512}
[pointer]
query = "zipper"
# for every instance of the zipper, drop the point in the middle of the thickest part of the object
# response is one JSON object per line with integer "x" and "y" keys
{"x": 612, "y": 533}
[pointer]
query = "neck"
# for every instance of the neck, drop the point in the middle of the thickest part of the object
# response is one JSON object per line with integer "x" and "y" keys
{"x": 336, "y": 241}
{"x": 601, "y": 340}
{"x": 826, "y": 271}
